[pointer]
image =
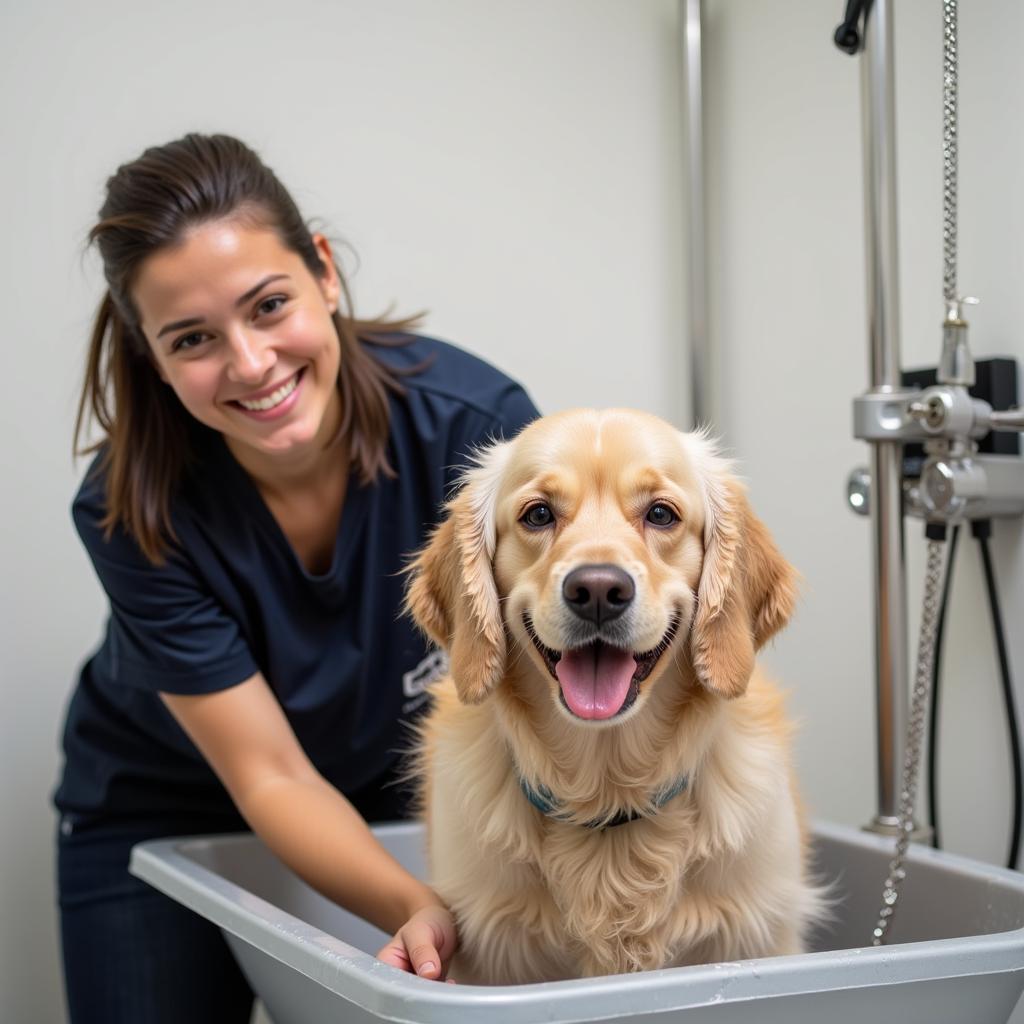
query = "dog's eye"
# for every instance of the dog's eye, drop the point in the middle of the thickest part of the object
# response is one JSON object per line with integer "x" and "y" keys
{"x": 537, "y": 516}
{"x": 661, "y": 515}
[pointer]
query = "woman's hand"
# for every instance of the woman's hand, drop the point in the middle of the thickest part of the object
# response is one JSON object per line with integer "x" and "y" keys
{"x": 424, "y": 945}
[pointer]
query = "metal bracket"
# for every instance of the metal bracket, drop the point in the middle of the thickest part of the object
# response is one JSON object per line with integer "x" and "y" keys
{"x": 953, "y": 487}
{"x": 885, "y": 416}
{"x": 940, "y": 411}
{"x": 958, "y": 487}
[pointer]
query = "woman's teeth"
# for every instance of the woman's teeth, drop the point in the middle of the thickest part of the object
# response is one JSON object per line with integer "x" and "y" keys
{"x": 276, "y": 398}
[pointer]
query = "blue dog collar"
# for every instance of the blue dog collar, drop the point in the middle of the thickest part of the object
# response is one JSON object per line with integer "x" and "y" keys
{"x": 544, "y": 801}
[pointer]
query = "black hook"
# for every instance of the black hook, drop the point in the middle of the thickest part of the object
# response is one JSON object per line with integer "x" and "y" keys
{"x": 848, "y": 36}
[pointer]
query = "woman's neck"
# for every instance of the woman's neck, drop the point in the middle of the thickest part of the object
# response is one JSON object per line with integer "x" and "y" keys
{"x": 283, "y": 475}
{"x": 305, "y": 493}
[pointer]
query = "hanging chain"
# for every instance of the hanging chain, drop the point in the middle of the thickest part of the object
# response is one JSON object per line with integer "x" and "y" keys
{"x": 949, "y": 149}
{"x": 936, "y": 548}
{"x": 915, "y": 734}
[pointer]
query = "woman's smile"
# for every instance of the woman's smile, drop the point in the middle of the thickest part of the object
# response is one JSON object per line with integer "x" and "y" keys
{"x": 272, "y": 402}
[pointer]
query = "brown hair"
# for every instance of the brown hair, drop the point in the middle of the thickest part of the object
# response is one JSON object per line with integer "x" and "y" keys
{"x": 150, "y": 203}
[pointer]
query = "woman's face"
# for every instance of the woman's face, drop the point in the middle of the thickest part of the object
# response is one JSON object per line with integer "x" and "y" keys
{"x": 242, "y": 331}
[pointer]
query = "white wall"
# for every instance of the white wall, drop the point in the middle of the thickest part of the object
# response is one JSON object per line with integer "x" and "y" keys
{"x": 513, "y": 167}
{"x": 787, "y": 271}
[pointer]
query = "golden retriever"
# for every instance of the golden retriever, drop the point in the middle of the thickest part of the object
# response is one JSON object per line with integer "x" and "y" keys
{"x": 606, "y": 776}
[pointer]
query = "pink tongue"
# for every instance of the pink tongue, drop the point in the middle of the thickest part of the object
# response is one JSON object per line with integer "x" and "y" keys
{"x": 595, "y": 680}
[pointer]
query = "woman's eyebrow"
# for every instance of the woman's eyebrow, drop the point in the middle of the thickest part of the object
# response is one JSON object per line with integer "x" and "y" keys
{"x": 178, "y": 325}
{"x": 252, "y": 291}
{"x": 240, "y": 301}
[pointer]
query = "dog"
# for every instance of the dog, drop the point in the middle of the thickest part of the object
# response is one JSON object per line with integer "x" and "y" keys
{"x": 605, "y": 775}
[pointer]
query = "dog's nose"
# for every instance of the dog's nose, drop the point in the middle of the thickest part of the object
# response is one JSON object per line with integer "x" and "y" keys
{"x": 598, "y": 593}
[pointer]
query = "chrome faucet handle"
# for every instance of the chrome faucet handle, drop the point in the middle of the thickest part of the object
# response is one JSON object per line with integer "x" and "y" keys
{"x": 1007, "y": 419}
{"x": 954, "y": 313}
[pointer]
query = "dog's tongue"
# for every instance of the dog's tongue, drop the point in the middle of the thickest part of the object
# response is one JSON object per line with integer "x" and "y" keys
{"x": 595, "y": 679}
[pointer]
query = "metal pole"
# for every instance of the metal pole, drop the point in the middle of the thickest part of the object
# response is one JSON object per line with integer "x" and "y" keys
{"x": 891, "y": 666}
{"x": 691, "y": 18}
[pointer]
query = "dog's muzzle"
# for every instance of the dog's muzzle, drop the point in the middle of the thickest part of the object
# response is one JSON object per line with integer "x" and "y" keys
{"x": 598, "y": 680}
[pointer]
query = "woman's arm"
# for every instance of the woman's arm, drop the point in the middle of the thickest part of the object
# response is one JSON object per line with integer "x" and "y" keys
{"x": 244, "y": 735}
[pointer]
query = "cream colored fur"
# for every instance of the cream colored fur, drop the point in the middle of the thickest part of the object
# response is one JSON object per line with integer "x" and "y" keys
{"x": 719, "y": 872}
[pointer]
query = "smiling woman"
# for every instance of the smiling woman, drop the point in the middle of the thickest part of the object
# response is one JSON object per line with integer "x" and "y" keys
{"x": 268, "y": 463}
{"x": 174, "y": 222}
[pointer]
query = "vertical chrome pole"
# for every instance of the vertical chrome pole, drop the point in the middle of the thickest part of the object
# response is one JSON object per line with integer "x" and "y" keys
{"x": 691, "y": 24}
{"x": 891, "y": 666}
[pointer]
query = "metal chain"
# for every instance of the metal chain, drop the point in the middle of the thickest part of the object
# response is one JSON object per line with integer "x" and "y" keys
{"x": 949, "y": 149}
{"x": 915, "y": 733}
{"x": 935, "y": 570}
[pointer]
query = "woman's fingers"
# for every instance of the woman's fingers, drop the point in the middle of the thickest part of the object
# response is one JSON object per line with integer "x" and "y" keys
{"x": 394, "y": 954}
{"x": 422, "y": 940}
{"x": 423, "y": 945}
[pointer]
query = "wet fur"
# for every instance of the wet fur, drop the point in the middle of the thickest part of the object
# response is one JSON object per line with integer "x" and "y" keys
{"x": 718, "y": 873}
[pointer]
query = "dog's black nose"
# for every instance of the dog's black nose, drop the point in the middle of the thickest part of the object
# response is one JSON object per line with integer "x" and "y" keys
{"x": 598, "y": 593}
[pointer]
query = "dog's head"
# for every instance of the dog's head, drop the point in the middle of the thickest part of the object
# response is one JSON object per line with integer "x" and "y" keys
{"x": 607, "y": 544}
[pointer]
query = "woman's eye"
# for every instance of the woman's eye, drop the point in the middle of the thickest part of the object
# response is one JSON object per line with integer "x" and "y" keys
{"x": 537, "y": 517}
{"x": 270, "y": 305}
{"x": 661, "y": 515}
{"x": 187, "y": 341}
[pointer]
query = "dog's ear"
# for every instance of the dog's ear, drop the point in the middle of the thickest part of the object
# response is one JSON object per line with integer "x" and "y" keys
{"x": 452, "y": 594}
{"x": 746, "y": 593}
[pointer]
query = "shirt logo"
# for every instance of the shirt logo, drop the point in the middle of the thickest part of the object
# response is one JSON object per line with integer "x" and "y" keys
{"x": 416, "y": 681}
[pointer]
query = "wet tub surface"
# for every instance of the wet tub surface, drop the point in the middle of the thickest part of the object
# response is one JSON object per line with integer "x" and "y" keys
{"x": 956, "y": 952}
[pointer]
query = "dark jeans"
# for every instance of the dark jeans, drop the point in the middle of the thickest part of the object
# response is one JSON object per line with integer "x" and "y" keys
{"x": 131, "y": 954}
{"x": 135, "y": 956}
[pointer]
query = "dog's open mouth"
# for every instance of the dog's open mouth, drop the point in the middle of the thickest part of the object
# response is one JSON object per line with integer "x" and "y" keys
{"x": 600, "y": 681}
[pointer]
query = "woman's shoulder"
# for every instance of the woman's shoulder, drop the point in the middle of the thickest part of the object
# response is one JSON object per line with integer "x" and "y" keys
{"x": 89, "y": 514}
{"x": 430, "y": 366}
{"x": 453, "y": 398}
{"x": 201, "y": 487}
{"x": 89, "y": 505}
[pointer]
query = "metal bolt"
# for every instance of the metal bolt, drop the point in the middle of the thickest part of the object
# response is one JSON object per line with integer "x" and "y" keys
{"x": 858, "y": 490}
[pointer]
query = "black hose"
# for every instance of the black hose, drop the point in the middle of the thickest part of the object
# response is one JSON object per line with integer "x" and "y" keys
{"x": 933, "y": 713}
{"x": 982, "y": 530}
{"x": 848, "y": 35}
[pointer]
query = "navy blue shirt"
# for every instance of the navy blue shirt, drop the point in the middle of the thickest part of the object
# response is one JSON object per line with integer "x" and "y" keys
{"x": 233, "y": 598}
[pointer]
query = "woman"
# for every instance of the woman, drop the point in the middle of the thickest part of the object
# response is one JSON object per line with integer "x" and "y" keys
{"x": 268, "y": 464}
